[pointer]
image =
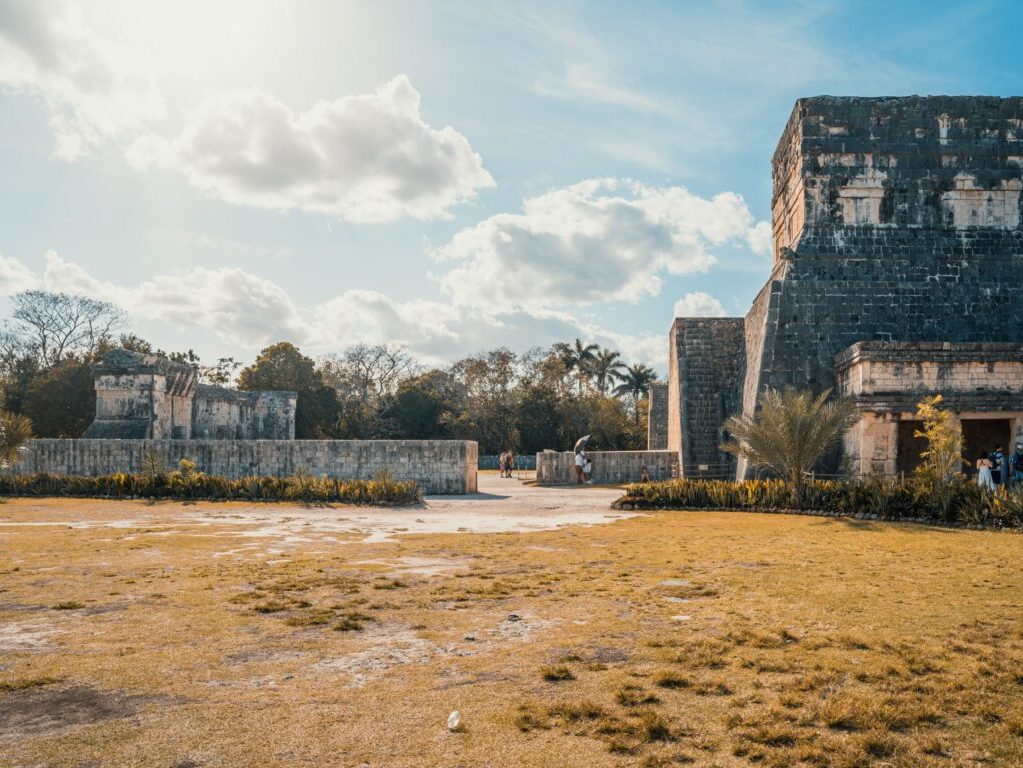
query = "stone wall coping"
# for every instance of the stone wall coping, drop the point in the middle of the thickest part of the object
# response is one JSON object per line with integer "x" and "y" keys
{"x": 928, "y": 352}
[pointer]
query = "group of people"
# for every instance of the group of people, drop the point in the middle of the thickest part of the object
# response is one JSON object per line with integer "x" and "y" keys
{"x": 583, "y": 468}
{"x": 506, "y": 463}
{"x": 999, "y": 468}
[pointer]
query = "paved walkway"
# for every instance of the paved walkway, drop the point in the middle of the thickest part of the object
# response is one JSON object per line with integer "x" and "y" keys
{"x": 502, "y": 505}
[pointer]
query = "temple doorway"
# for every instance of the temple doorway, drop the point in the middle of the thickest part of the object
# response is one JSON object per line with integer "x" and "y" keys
{"x": 984, "y": 435}
{"x": 909, "y": 446}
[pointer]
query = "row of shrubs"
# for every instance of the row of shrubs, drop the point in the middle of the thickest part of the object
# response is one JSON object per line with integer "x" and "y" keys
{"x": 958, "y": 501}
{"x": 198, "y": 485}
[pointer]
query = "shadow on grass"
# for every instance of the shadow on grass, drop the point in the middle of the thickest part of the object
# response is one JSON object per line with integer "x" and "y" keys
{"x": 882, "y": 526}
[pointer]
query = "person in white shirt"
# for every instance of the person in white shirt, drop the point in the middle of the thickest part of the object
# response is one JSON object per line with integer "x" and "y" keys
{"x": 580, "y": 461}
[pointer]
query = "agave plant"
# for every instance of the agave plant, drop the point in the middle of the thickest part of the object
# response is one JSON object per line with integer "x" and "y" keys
{"x": 790, "y": 433}
{"x": 15, "y": 431}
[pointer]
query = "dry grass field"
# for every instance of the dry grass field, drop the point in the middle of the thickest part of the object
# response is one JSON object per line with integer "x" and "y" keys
{"x": 136, "y": 634}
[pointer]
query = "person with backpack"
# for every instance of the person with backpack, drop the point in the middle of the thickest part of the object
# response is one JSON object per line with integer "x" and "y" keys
{"x": 1016, "y": 463}
{"x": 997, "y": 457}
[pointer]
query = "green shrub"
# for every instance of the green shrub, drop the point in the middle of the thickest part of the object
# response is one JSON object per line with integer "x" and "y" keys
{"x": 188, "y": 483}
{"x": 959, "y": 500}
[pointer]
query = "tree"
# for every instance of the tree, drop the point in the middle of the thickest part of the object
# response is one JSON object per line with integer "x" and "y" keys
{"x": 61, "y": 402}
{"x": 365, "y": 378}
{"x": 488, "y": 413}
{"x": 538, "y": 418}
{"x": 604, "y": 367}
{"x": 283, "y": 367}
{"x": 15, "y": 431}
{"x": 634, "y": 384}
{"x": 58, "y": 325}
{"x": 943, "y": 458}
{"x": 424, "y": 407}
{"x": 790, "y": 432}
{"x": 576, "y": 358}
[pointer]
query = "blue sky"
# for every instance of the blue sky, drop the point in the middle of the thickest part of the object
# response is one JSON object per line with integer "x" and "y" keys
{"x": 451, "y": 176}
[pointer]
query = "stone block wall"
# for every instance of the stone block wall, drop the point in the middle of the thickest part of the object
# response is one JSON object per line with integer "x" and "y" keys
{"x": 558, "y": 467}
{"x": 657, "y": 417}
{"x": 439, "y": 466}
{"x": 706, "y": 360}
{"x": 893, "y": 375}
{"x": 219, "y": 413}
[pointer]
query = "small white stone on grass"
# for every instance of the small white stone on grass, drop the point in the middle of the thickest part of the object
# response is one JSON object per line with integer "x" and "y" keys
{"x": 455, "y": 721}
{"x": 681, "y": 617}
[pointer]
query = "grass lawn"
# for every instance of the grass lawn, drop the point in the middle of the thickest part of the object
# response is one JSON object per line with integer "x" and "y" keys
{"x": 200, "y": 635}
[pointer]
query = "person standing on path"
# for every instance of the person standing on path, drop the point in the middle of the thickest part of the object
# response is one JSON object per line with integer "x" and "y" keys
{"x": 580, "y": 462}
{"x": 984, "y": 473}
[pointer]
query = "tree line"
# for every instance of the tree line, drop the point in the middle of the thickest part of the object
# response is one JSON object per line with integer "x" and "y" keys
{"x": 543, "y": 398}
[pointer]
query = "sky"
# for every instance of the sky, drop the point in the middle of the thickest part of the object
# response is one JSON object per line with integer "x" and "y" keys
{"x": 450, "y": 176}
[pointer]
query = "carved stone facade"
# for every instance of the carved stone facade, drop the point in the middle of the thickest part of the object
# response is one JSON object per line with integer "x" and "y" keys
{"x": 898, "y": 242}
{"x": 140, "y": 396}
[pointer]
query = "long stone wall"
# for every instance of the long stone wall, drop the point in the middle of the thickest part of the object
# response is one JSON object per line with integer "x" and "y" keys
{"x": 558, "y": 467}
{"x": 439, "y": 466}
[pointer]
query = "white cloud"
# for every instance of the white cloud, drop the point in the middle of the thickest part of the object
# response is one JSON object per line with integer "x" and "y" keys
{"x": 250, "y": 312}
{"x": 367, "y": 158}
{"x": 699, "y": 304}
{"x": 239, "y": 307}
{"x": 93, "y": 88}
{"x": 598, "y": 240}
{"x": 15, "y": 277}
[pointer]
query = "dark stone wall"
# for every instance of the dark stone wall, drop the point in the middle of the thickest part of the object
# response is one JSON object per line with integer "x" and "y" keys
{"x": 896, "y": 219}
{"x": 657, "y": 418}
{"x": 707, "y": 356}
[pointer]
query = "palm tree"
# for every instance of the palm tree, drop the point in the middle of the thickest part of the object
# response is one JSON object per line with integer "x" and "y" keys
{"x": 577, "y": 358}
{"x": 790, "y": 433}
{"x": 635, "y": 382}
{"x": 604, "y": 367}
{"x": 15, "y": 431}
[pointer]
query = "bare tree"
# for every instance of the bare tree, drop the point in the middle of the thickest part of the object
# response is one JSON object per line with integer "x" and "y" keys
{"x": 370, "y": 371}
{"x": 57, "y": 325}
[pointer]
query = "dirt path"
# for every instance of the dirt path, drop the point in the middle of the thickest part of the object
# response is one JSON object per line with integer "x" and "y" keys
{"x": 502, "y": 505}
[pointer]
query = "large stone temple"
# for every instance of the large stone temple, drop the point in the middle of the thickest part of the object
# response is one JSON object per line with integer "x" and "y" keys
{"x": 148, "y": 397}
{"x": 898, "y": 273}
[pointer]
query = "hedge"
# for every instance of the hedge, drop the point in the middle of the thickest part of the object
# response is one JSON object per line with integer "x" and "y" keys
{"x": 959, "y": 502}
{"x": 198, "y": 485}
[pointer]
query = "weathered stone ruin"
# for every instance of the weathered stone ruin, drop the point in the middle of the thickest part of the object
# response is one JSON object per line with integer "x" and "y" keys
{"x": 141, "y": 396}
{"x": 898, "y": 273}
{"x": 657, "y": 417}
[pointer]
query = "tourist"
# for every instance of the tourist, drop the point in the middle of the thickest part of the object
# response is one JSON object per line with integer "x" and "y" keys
{"x": 580, "y": 461}
{"x": 1017, "y": 464}
{"x": 984, "y": 473}
{"x": 588, "y": 469}
{"x": 997, "y": 457}
{"x": 645, "y": 477}
{"x": 503, "y": 462}
{"x": 510, "y": 463}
